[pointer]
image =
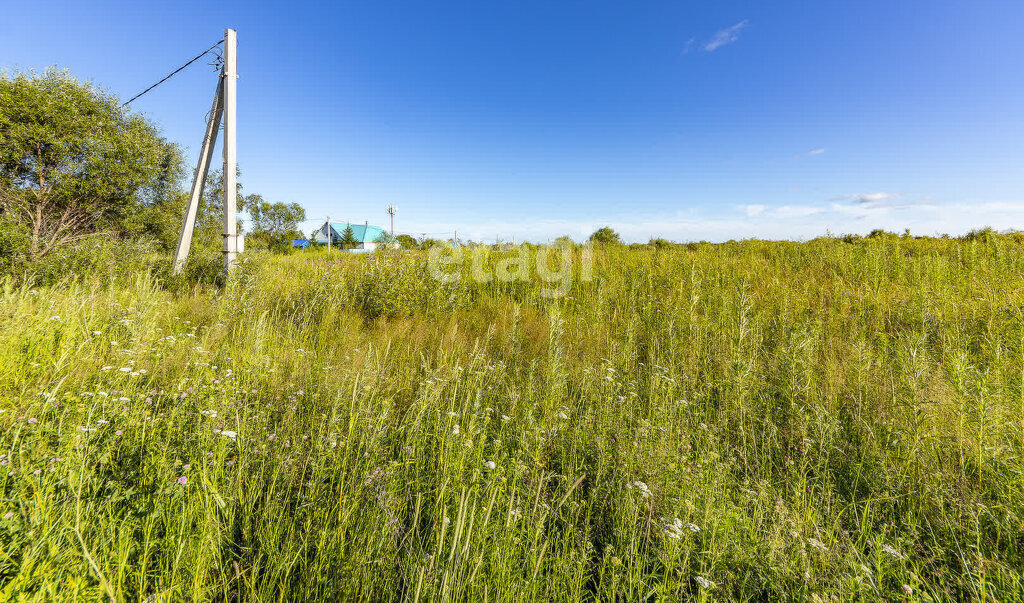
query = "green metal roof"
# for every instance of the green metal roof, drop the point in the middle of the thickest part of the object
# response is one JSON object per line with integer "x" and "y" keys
{"x": 364, "y": 233}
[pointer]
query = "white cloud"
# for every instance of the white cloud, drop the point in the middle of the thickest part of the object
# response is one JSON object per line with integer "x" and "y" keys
{"x": 725, "y": 36}
{"x": 817, "y": 152}
{"x": 792, "y": 222}
{"x": 869, "y": 198}
{"x": 689, "y": 45}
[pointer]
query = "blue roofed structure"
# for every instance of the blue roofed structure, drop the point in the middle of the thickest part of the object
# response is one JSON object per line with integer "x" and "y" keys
{"x": 366, "y": 234}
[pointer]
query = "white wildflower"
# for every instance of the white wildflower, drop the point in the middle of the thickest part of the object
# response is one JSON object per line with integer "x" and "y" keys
{"x": 491, "y": 465}
{"x": 456, "y": 430}
{"x": 704, "y": 582}
{"x": 673, "y": 531}
{"x": 642, "y": 487}
{"x": 229, "y": 434}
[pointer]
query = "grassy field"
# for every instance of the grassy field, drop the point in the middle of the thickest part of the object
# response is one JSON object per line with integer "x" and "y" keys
{"x": 825, "y": 420}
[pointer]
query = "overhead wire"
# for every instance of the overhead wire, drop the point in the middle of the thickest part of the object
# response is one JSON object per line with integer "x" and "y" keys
{"x": 171, "y": 74}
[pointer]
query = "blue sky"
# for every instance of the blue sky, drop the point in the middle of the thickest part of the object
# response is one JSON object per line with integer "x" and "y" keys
{"x": 528, "y": 119}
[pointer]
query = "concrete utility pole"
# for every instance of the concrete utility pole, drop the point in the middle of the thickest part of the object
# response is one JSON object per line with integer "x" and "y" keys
{"x": 223, "y": 108}
{"x": 199, "y": 180}
{"x": 230, "y": 82}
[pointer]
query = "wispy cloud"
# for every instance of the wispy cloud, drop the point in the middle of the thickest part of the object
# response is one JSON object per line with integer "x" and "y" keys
{"x": 689, "y": 45}
{"x": 794, "y": 222}
{"x": 870, "y": 198}
{"x": 725, "y": 36}
{"x": 817, "y": 152}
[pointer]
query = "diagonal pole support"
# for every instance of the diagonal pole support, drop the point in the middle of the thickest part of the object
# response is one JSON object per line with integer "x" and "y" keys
{"x": 199, "y": 179}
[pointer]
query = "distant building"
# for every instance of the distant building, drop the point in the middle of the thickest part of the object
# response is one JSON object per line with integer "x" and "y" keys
{"x": 366, "y": 234}
{"x": 300, "y": 243}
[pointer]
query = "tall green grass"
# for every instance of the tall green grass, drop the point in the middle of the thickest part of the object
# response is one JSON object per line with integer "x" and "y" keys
{"x": 825, "y": 420}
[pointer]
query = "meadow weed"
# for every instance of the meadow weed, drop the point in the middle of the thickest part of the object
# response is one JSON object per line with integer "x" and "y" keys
{"x": 826, "y": 420}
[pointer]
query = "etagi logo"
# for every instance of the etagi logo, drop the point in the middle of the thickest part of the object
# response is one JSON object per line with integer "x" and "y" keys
{"x": 555, "y": 265}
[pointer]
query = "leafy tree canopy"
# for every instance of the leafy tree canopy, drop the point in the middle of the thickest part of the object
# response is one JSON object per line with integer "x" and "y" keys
{"x": 72, "y": 161}
{"x": 407, "y": 241}
{"x": 605, "y": 235}
{"x": 384, "y": 238}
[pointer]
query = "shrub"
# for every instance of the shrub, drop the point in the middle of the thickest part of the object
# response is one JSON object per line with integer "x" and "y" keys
{"x": 982, "y": 235}
{"x": 100, "y": 258}
{"x": 14, "y": 243}
{"x": 388, "y": 285}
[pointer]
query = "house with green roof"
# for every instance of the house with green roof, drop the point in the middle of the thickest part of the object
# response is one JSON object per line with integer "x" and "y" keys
{"x": 366, "y": 234}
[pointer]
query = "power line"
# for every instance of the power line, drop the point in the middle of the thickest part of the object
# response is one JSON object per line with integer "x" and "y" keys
{"x": 169, "y": 75}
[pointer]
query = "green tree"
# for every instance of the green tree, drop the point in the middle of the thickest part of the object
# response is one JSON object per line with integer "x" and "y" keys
{"x": 407, "y": 241}
{"x": 163, "y": 205}
{"x": 605, "y": 236}
{"x": 384, "y": 239}
{"x": 72, "y": 161}
{"x": 348, "y": 239}
{"x": 274, "y": 224}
